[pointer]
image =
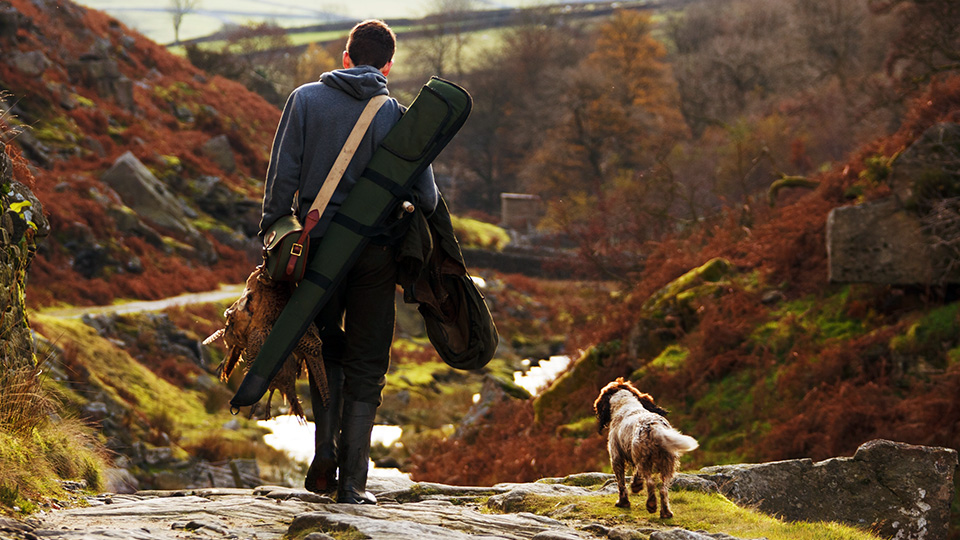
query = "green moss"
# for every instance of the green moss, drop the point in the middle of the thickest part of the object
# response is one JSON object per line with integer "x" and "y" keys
{"x": 724, "y": 419}
{"x": 711, "y": 271}
{"x": 876, "y": 168}
{"x": 472, "y": 233}
{"x": 953, "y": 356}
{"x": 125, "y": 380}
{"x": 83, "y": 101}
{"x": 410, "y": 375}
{"x": 581, "y": 429}
{"x": 926, "y": 337}
{"x": 712, "y": 513}
{"x": 172, "y": 162}
{"x": 812, "y": 319}
{"x": 672, "y": 357}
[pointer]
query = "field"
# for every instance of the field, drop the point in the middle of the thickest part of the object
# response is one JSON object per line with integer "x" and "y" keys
{"x": 210, "y": 16}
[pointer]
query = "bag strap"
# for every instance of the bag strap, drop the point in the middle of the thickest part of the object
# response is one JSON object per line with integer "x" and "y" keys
{"x": 333, "y": 178}
{"x": 343, "y": 160}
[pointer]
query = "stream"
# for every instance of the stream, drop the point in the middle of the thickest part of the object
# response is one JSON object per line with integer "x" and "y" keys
{"x": 288, "y": 433}
{"x": 295, "y": 437}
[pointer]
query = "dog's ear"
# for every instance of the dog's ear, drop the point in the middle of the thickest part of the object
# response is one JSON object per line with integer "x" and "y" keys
{"x": 648, "y": 404}
{"x": 602, "y": 409}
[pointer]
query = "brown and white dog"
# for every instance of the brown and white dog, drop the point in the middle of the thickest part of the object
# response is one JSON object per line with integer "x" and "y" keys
{"x": 640, "y": 436}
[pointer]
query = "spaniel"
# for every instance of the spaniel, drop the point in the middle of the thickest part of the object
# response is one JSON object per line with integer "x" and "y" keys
{"x": 640, "y": 436}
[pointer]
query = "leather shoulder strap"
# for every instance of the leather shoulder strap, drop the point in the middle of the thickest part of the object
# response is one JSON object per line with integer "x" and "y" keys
{"x": 343, "y": 160}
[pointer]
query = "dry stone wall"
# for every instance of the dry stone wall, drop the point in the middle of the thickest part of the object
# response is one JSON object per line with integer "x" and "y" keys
{"x": 22, "y": 223}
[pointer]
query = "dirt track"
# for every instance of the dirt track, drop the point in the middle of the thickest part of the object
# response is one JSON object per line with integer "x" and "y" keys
{"x": 225, "y": 292}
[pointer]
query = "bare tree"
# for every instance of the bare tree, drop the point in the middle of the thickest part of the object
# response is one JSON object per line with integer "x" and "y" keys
{"x": 179, "y": 8}
{"x": 446, "y": 35}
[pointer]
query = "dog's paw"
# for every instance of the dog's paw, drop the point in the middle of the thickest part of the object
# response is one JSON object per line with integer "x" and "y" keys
{"x": 623, "y": 503}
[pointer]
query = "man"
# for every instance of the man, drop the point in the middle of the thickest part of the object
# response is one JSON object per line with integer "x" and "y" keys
{"x": 356, "y": 325}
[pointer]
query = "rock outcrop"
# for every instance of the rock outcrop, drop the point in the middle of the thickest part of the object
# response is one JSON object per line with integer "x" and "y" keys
{"x": 910, "y": 238}
{"x": 878, "y": 242}
{"x": 899, "y": 490}
{"x": 149, "y": 198}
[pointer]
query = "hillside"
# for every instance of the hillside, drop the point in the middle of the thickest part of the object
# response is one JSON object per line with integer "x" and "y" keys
{"x": 86, "y": 97}
{"x": 736, "y": 329}
{"x": 732, "y": 324}
{"x": 82, "y": 90}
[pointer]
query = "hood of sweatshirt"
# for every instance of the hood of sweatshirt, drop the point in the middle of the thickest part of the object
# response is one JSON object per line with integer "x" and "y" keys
{"x": 361, "y": 82}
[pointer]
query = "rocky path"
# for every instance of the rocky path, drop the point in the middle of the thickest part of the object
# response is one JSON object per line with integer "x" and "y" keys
{"x": 898, "y": 490}
{"x": 407, "y": 510}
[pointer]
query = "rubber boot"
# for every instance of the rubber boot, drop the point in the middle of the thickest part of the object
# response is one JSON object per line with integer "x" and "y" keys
{"x": 357, "y": 423}
{"x": 322, "y": 475}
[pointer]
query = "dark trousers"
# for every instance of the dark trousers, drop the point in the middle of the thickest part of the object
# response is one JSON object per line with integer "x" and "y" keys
{"x": 356, "y": 325}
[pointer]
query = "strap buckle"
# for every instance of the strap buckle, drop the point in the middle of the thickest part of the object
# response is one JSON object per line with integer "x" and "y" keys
{"x": 296, "y": 249}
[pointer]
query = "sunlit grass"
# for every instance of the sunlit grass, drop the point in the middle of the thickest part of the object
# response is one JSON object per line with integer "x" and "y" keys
{"x": 693, "y": 511}
{"x": 38, "y": 447}
{"x": 473, "y": 233}
{"x": 125, "y": 380}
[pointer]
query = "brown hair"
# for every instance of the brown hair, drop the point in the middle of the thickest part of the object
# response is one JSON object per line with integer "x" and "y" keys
{"x": 371, "y": 43}
{"x": 602, "y": 405}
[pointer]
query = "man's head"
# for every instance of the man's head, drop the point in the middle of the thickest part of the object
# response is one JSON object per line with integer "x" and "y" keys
{"x": 371, "y": 43}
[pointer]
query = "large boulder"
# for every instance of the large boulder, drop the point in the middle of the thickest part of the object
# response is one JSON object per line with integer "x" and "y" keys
{"x": 910, "y": 238}
{"x": 145, "y": 194}
{"x": 927, "y": 169}
{"x": 219, "y": 151}
{"x": 150, "y": 199}
{"x": 98, "y": 70}
{"x": 877, "y": 242}
{"x": 899, "y": 490}
{"x": 31, "y": 63}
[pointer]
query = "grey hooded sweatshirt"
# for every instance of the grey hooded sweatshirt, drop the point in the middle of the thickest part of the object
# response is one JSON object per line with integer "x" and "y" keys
{"x": 316, "y": 121}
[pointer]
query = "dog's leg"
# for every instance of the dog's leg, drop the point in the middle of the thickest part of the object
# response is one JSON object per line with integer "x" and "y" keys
{"x": 665, "y": 512}
{"x": 651, "y": 493}
{"x": 637, "y": 484}
{"x": 619, "y": 471}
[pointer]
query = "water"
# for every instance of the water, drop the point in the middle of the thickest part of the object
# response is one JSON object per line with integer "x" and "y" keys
{"x": 535, "y": 379}
{"x": 295, "y": 437}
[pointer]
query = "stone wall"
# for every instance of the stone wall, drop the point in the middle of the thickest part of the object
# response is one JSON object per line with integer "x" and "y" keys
{"x": 21, "y": 224}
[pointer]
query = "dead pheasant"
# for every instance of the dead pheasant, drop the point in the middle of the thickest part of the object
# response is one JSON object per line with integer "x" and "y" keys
{"x": 248, "y": 323}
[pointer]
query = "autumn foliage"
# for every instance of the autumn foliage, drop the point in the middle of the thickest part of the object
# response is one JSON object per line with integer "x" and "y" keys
{"x": 816, "y": 375}
{"x": 176, "y": 109}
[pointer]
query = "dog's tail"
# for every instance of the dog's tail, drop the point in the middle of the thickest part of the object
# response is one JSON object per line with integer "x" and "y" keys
{"x": 674, "y": 441}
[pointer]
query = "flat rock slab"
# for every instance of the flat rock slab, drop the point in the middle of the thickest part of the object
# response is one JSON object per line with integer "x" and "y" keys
{"x": 428, "y": 520}
{"x": 271, "y": 512}
{"x": 151, "y": 517}
{"x": 267, "y": 513}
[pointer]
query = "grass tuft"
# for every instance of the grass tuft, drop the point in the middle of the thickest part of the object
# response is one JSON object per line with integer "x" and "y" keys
{"x": 38, "y": 447}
